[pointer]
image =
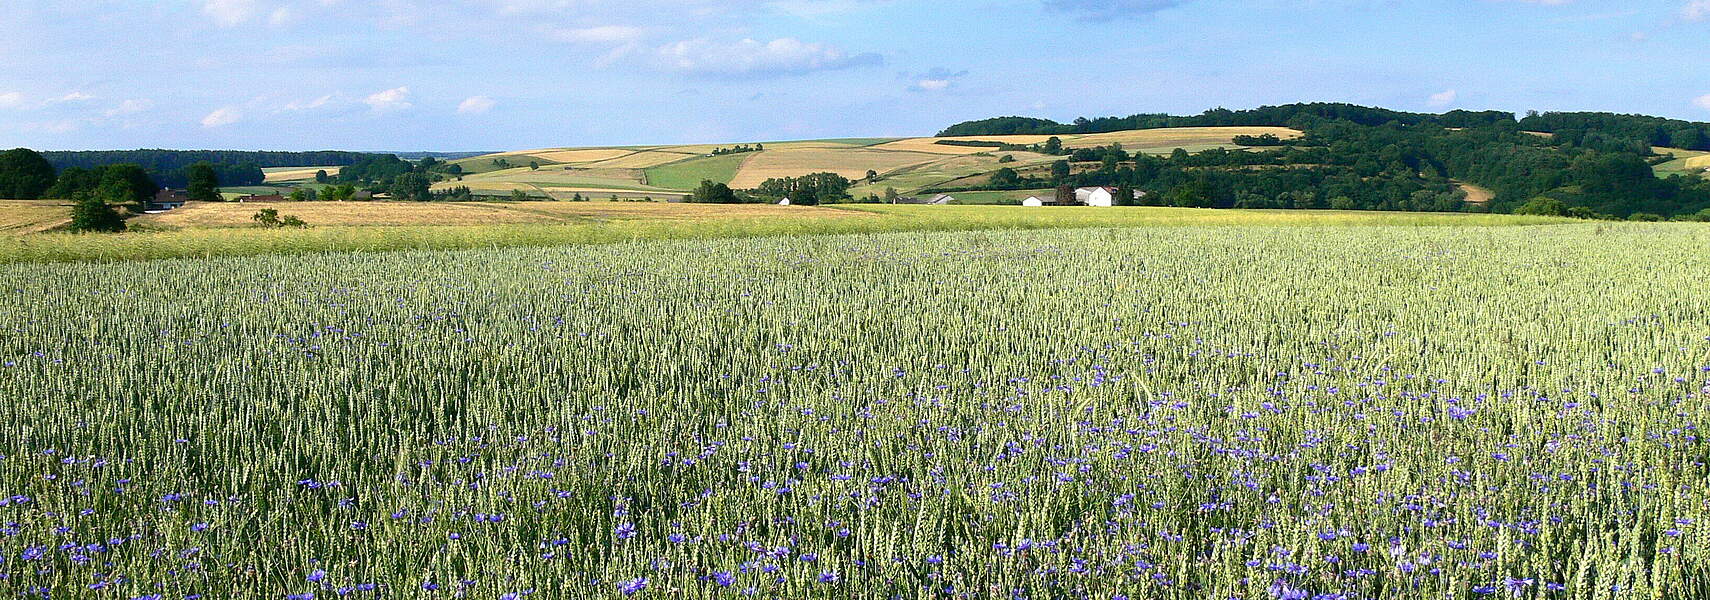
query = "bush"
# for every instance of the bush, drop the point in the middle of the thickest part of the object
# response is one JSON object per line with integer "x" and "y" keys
{"x": 93, "y": 214}
{"x": 271, "y": 219}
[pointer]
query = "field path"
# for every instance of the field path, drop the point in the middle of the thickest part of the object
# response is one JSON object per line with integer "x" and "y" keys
{"x": 1476, "y": 194}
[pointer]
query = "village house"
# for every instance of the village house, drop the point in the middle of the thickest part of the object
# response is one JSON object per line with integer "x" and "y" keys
{"x": 1100, "y": 196}
{"x": 1039, "y": 200}
{"x": 167, "y": 199}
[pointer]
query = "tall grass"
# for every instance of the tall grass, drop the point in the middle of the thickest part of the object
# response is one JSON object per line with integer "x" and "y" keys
{"x": 1264, "y": 412}
{"x": 205, "y": 243}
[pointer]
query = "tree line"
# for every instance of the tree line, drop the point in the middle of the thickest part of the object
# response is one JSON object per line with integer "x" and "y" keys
{"x": 169, "y": 168}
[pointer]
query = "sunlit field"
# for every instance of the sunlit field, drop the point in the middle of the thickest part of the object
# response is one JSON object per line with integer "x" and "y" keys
{"x": 222, "y": 229}
{"x": 1181, "y": 412}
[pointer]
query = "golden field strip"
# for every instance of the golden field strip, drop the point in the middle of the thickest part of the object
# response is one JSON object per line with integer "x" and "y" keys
{"x": 223, "y": 229}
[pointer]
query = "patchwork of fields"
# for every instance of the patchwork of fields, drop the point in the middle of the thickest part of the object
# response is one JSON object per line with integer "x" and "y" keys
{"x": 1161, "y": 412}
{"x": 907, "y": 164}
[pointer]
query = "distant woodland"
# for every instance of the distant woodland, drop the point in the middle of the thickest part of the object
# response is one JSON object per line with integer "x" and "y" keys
{"x": 1591, "y": 165}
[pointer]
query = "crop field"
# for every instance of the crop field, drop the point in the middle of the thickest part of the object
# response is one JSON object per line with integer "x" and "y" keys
{"x": 228, "y": 229}
{"x": 1262, "y": 412}
{"x": 284, "y": 174}
{"x": 32, "y": 216}
{"x": 911, "y": 164}
{"x": 205, "y": 215}
{"x": 851, "y": 163}
{"x": 1167, "y": 139}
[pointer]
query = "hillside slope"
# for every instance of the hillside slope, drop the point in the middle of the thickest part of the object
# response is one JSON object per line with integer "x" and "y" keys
{"x": 906, "y": 164}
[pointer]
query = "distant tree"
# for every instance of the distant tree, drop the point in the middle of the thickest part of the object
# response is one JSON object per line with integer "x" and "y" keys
{"x": 1060, "y": 170}
{"x": 1543, "y": 206}
{"x": 578, "y": 198}
{"x": 413, "y": 187}
{"x": 533, "y": 165}
{"x": 712, "y": 192}
{"x": 890, "y": 195}
{"x": 303, "y": 195}
{"x": 520, "y": 196}
{"x": 1007, "y": 158}
{"x": 759, "y": 147}
{"x": 872, "y": 176}
{"x": 1053, "y": 146}
{"x": 804, "y": 196}
{"x": 1124, "y": 196}
{"x": 92, "y": 213}
{"x": 321, "y": 176}
{"x": 204, "y": 182}
{"x": 1005, "y": 177}
{"x": 24, "y": 174}
{"x": 1065, "y": 195}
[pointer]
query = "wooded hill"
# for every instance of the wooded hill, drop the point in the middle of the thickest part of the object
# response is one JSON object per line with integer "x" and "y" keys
{"x": 1578, "y": 164}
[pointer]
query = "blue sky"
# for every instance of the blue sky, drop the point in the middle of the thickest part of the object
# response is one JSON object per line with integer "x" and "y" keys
{"x": 503, "y": 74}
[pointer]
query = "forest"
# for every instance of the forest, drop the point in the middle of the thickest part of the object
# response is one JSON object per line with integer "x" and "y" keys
{"x": 168, "y": 167}
{"x": 1592, "y": 165}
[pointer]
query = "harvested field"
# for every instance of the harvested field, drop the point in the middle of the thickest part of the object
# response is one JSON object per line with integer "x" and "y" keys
{"x": 31, "y": 216}
{"x": 1175, "y": 137}
{"x": 204, "y": 215}
{"x": 852, "y": 163}
{"x": 296, "y": 173}
{"x": 582, "y": 156}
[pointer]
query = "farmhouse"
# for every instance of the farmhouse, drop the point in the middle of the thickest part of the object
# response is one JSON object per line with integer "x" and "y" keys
{"x": 1100, "y": 196}
{"x": 1039, "y": 200}
{"x": 1096, "y": 196}
{"x": 941, "y": 199}
{"x": 167, "y": 199}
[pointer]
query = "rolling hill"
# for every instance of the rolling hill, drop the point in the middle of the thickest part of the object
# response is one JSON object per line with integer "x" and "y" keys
{"x": 907, "y": 164}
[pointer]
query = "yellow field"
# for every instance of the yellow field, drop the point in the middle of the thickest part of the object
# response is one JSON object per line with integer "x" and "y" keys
{"x": 19, "y": 217}
{"x": 215, "y": 215}
{"x": 1699, "y": 162}
{"x": 642, "y": 160}
{"x": 852, "y": 163}
{"x": 296, "y": 173}
{"x": 1175, "y": 137}
{"x": 582, "y": 156}
{"x": 931, "y": 145}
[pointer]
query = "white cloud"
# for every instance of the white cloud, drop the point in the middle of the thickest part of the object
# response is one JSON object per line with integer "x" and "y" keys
{"x": 297, "y": 105}
{"x": 221, "y": 117}
{"x": 476, "y": 105}
{"x": 604, "y": 34}
{"x": 394, "y": 99}
{"x": 1696, "y": 10}
{"x": 228, "y": 13}
{"x": 130, "y": 107}
{"x": 1442, "y": 99}
{"x": 1702, "y": 101}
{"x": 11, "y": 100}
{"x": 750, "y": 58}
{"x": 933, "y": 85}
{"x": 72, "y": 97}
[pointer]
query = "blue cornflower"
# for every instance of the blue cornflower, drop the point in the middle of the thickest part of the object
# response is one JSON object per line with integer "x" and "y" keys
{"x": 629, "y": 588}
{"x": 316, "y": 576}
{"x": 624, "y": 531}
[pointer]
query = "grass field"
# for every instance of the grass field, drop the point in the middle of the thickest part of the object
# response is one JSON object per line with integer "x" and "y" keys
{"x": 688, "y": 174}
{"x": 1168, "y": 412}
{"x": 221, "y": 230}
